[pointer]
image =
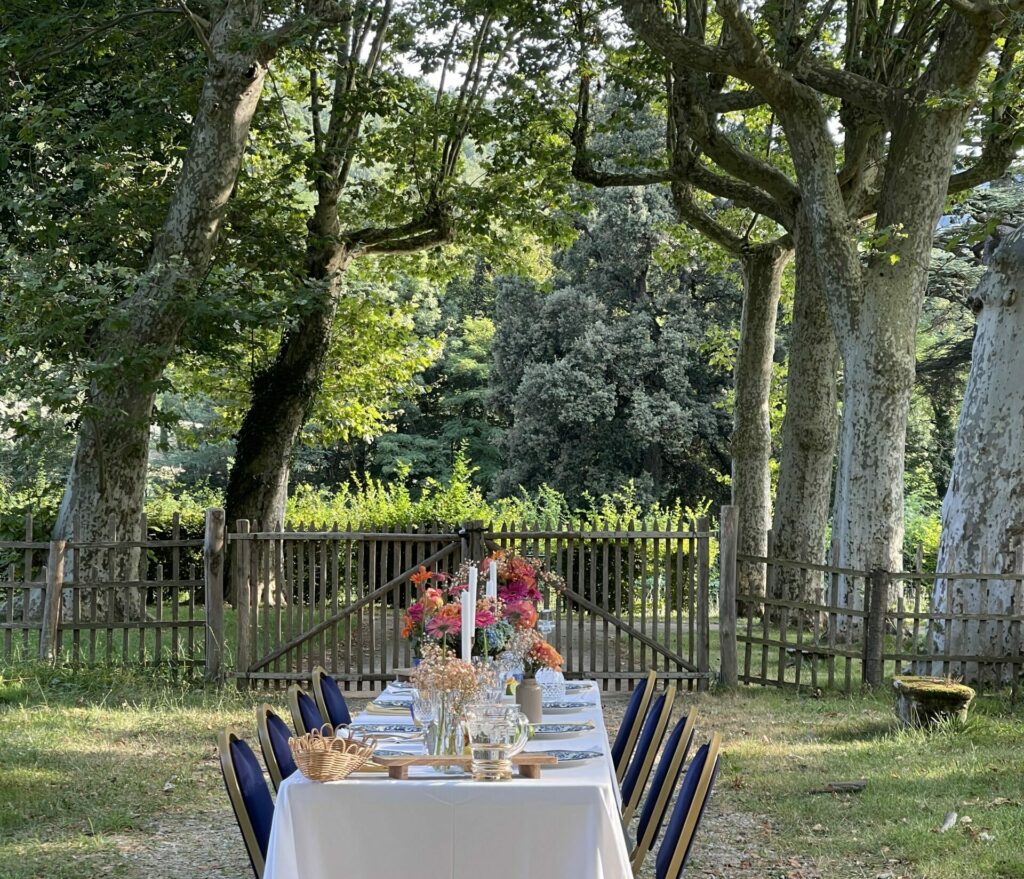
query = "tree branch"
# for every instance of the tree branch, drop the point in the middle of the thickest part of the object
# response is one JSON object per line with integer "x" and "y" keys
{"x": 435, "y": 226}
{"x": 89, "y": 33}
{"x": 728, "y": 102}
{"x": 321, "y": 14}
{"x": 663, "y": 36}
{"x": 703, "y": 222}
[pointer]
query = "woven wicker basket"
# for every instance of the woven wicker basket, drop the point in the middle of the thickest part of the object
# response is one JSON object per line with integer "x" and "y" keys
{"x": 328, "y": 757}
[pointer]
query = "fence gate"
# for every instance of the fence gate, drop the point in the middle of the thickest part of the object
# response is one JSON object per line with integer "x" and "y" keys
{"x": 331, "y": 598}
{"x": 635, "y": 599}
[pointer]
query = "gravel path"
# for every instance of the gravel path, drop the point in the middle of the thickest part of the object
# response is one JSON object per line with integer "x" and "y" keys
{"x": 204, "y": 843}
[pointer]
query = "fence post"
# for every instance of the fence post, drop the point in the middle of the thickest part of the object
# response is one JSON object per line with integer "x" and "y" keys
{"x": 213, "y": 578}
{"x": 727, "y": 547}
{"x": 874, "y": 634}
{"x": 703, "y": 628}
{"x": 473, "y": 545}
{"x": 243, "y": 658}
{"x": 52, "y": 601}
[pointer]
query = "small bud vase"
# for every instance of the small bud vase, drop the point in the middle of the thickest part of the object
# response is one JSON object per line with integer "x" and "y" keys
{"x": 530, "y": 699}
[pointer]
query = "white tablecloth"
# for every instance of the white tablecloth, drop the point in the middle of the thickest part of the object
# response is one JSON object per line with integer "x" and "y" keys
{"x": 560, "y": 826}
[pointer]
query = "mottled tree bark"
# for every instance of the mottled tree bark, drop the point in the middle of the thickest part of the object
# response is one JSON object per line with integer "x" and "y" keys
{"x": 106, "y": 484}
{"x": 983, "y": 511}
{"x": 808, "y": 431}
{"x": 752, "y": 434}
{"x": 283, "y": 394}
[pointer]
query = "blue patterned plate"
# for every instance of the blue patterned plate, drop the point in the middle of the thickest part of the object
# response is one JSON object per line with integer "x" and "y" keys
{"x": 406, "y": 728}
{"x": 392, "y": 703}
{"x": 571, "y": 758}
{"x": 391, "y": 752}
{"x": 564, "y": 707}
{"x": 561, "y": 730}
{"x": 577, "y": 686}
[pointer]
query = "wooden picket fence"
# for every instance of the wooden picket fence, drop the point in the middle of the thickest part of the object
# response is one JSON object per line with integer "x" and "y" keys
{"x": 53, "y": 606}
{"x": 636, "y": 597}
{"x": 850, "y": 628}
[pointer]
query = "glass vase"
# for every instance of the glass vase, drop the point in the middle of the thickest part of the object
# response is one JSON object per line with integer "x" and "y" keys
{"x": 444, "y": 732}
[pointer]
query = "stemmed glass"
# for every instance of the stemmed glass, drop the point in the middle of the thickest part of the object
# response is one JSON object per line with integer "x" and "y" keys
{"x": 545, "y": 621}
{"x": 423, "y": 708}
{"x": 492, "y": 681}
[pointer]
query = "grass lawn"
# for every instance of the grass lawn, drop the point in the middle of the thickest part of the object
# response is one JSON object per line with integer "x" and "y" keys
{"x": 93, "y": 759}
{"x": 780, "y": 747}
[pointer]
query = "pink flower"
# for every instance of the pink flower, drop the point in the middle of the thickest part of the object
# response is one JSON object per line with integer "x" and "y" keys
{"x": 522, "y": 614}
{"x": 442, "y": 626}
{"x": 415, "y": 611}
{"x": 485, "y": 618}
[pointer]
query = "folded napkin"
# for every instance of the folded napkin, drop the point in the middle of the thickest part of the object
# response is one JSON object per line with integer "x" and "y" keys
{"x": 400, "y": 711}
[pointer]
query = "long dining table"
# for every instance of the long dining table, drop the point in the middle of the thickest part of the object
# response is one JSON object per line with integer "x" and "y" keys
{"x": 562, "y": 825}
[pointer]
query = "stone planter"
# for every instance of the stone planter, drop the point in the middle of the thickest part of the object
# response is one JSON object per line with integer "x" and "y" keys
{"x": 923, "y": 701}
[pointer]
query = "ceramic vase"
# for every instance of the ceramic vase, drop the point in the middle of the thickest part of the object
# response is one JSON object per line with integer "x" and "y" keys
{"x": 530, "y": 699}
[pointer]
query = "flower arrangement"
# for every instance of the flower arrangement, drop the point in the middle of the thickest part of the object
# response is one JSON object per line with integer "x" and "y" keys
{"x": 441, "y": 672}
{"x": 450, "y": 684}
{"x": 530, "y": 648}
{"x": 520, "y": 578}
{"x": 435, "y": 616}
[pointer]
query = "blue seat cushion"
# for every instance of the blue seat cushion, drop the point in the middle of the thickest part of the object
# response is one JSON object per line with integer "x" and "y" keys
{"x": 628, "y": 719}
{"x": 679, "y": 813}
{"x": 661, "y": 778}
{"x": 334, "y": 702}
{"x": 255, "y": 794}
{"x": 311, "y": 716}
{"x": 643, "y": 747}
{"x": 279, "y": 735}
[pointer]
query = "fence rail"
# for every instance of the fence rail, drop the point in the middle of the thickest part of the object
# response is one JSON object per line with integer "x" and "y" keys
{"x": 838, "y": 627}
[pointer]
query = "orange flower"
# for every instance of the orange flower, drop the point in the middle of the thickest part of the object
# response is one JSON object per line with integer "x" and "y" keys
{"x": 421, "y": 576}
{"x": 407, "y": 626}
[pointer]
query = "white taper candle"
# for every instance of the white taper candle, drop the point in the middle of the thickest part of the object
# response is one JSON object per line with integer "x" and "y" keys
{"x": 467, "y": 626}
{"x": 492, "y": 580}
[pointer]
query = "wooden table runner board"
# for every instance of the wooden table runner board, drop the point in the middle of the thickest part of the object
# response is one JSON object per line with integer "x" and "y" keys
{"x": 398, "y": 767}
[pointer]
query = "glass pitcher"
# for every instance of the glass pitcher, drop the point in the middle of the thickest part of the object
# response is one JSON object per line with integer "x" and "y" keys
{"x": 496, "y": 734}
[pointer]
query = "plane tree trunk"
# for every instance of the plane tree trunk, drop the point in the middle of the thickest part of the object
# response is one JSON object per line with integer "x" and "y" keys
{"x": 983, "y": 511}
{"x": 752, "y": 434}
{"x": 106, "y": 484}
{"x": 809, "y": 432}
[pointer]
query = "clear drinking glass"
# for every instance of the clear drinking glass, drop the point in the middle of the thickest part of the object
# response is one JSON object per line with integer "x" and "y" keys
{"x": 423, "y": 707}
{"x": 552, "y": 684}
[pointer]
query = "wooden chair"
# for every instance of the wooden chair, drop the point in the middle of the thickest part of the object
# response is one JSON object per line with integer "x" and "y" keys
{"x": 306, "y": 715}
{"x": 688, "y": 811}
{"x": 632, "y": 720}
{"x": 329, "y": 698}
{"x": 651, "y": 737}
{"x": 273, "y": 735}
{"x": 663, "y": 784}
{"x": 249, "y": 795}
